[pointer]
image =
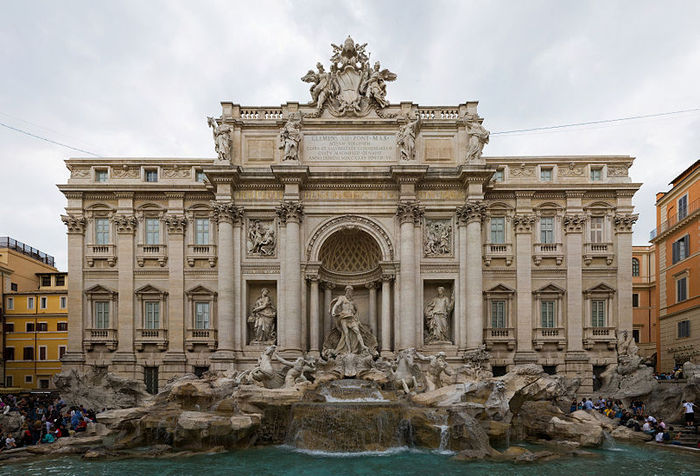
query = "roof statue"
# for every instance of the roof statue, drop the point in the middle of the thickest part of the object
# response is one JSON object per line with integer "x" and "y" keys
{"x": 352, "y": 86}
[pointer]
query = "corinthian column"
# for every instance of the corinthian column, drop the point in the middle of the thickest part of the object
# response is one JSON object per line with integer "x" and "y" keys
{"x": 623, "y": 234}
{"x": 523, "y": 224}
{"x": 225, "y": 214}
{"x": 176, "y": 225}
{"x": 76, "y": 248}
{"x": 573, "y": 227}
{"x": 314, "y": 316}
{"x": 409, "y": 213}
{"x": 386, "y": 313}
{"x": 290, "y": 214}
{"x": 472, "y": 213}
{"x": 125, "y": 225}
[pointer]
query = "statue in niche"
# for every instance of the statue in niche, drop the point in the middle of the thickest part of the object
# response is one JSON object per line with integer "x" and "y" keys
{"x": 374, "y": 83}
{"x": 437, "y": 366}
{"x": 478, "y": 138}
{"x": 349, "y": 336}
{"x": 261, "y": 238}
{"x": 406, "y": 140}
{"x": 262, "y": 317}
{"x": 438, "y": 238}
{"x": 297, "y": 369}
{"x": 289, "y": 138}
{"x": 437, "y": 314}
{"x": 222, "y": 139}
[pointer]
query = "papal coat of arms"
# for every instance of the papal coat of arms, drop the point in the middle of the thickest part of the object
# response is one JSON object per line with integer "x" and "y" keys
{"x": 352, "y": 86}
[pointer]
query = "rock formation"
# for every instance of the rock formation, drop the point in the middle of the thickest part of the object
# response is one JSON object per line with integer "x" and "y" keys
{"x": 98, "y": 389}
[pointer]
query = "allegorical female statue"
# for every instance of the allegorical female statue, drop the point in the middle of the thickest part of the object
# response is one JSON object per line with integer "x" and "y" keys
{"x": 263, "y": 319}
{"x": 349, "y": 336}
{"x": 437, "y": 316}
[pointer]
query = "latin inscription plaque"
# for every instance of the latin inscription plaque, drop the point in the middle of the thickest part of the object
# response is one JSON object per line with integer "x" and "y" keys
{"x": 350, "y": 148}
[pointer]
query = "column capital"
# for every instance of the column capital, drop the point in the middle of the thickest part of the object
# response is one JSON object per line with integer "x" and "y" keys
{"x": 75, "y": 224}
{"x": 327, "y": 285}
{"x": 226, "y": 212}
{"x": 125, "y": 224}
{"x": 523, "y": 222}
{"x": 574, "y": 223}
{"x": 471, "y": 211}
{"x": 176, "y": 223}
{"x": 371, "y": 285}
{"x": 386, "y": 277}
{"x": 290, "y": 211}
{"x": 313, "y": 278}
{"x": 409, "y": 211}
{"x": 624, "y": 222}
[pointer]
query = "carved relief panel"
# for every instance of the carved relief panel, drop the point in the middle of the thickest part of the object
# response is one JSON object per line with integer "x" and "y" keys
{"x": 261, "y": 237}
{"x": 437, "y": 238}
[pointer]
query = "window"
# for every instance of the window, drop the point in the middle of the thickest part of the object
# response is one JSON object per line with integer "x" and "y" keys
{"x": 42, "y": 327}
{"x": 681, "y": 289}
{"x": 9, "y": 327}
{"x": 546, "y": 174}
{"x": 498, "y": 175}
{"x": 9, "y": 353}
{"x": 60, "y": 280}
{"x": 201, "y": 315}
{"x": 44, "y": 383}
{"x": 102, "y": 231}
{"x": 101, "y": 175}
{"x": 201, "y": 236}
{"x": 42, "y": 352}
{"x": 28, "y": 379}
{"x": 150, "y": 378}
{"x": 9, "y": 381}
{"x": 29, "y": 327}
{"x": 152, "y": 231}
{"x": 596, "y": 229}
{"x": 30, "y": 303}
{"x": 547, "y": 314}
{"x": 498, "y": 235}
{"x": 62, "y": 326}
{"x": 684, "y": 329}
{"x": 13, "y": 286}
{"x": 64, "y": 302}
{"x": 682, "y": 207}
{"x": 199, "y": 176}
{"x": 635, "y": 300}
{"x": 10, "y": 303}
{"x": 152, "y": 315}
{"x": 547, "y": 230}
{"x": 498, "y": 314}
{"x": 42, "y": 302}
{"x": 635, "y": 335}
{"x": 596, "y": 174}
{"x": 61, "y": 351}
{"x": 46, "y": 281}
{"x": 597, "y": 313}
{"x": 680, "y": 249}
{"x": 635, "y": 267}
{"x": 102, "y": 315}
{"x": 151, "y": 175}
{"x": 28, "y": 353}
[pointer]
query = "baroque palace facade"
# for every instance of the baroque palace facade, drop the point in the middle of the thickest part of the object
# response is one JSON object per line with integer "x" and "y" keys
{"x": 183, "y": 265}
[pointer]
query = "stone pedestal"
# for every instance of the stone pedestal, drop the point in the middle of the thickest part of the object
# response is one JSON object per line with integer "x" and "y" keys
{"x": 577, "y": 365}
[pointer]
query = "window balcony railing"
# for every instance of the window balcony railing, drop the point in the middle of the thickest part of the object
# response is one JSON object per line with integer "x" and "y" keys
{"x": 154, "y": 252}
{"x": 549, "y": 335}
{"x": 107, "y": 337}
{"x": 499, "y": 335}
{"x": 201, "y": 336}
{"x": 201, "y": 252}
{"x": 598, "y": 250}
{"x": 105, "y": 252}
{"x": 673, "y": 220}
{"x": 159, "y": 337}
{"x": 594, "y": 335}
{"x": 548, "y": 250}
{"x": 498, "y": 250}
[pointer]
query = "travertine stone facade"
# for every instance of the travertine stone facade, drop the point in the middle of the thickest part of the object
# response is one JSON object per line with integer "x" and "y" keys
{"x": 393, "y": 199}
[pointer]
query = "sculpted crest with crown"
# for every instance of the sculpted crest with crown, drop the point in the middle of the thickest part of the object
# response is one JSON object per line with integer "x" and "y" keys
{"x": 352, "y": 86}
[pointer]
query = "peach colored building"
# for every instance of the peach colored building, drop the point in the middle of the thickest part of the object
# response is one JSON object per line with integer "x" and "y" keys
{"x": 644, "y": 299}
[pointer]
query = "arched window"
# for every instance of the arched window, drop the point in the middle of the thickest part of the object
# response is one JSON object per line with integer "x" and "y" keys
{"x": 635, "y": 267}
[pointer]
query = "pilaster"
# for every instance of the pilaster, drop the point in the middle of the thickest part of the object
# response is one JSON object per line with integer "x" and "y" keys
{"x": 573, "y": 228}
{"x": 409, "y": 213}
{"x": 75, "y": 225}
{"x": 624, "y": 223}
{"x": 290, "y": 214}
{"x": 523, "y": 224}
{"x": 176, "y": 224}
{"x": 472, "y": 214}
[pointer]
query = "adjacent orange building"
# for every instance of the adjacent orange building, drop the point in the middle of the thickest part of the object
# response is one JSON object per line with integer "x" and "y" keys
{"x": 677, "y": 248}
{"x": 644, "y": 299}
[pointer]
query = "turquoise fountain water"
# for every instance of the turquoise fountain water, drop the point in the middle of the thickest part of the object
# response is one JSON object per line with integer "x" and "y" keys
{"x": 280, "y": 461}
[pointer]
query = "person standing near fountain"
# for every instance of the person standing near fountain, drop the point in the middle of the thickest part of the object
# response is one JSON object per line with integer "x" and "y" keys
{"x": 345, "y": 310}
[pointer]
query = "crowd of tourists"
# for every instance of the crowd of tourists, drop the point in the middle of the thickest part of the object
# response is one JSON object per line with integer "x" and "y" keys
{"x": 44, "y": 419}
{"x": 675, "y": 375}
{"x": 636, "y": 417}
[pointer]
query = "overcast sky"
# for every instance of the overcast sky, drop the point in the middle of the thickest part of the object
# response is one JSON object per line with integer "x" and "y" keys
{"x": 138, "y": 78}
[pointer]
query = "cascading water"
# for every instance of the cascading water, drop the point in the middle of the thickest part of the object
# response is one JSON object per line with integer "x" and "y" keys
{"x": 444, "y": 438}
